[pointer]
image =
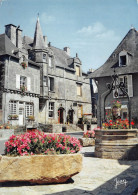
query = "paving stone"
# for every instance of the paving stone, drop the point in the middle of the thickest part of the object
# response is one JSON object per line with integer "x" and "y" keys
{"x": 96, "y": 178}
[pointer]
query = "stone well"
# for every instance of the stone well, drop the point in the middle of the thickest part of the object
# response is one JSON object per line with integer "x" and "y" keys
{"x": 40, "y": 168}
{"x": 117, "y": 144}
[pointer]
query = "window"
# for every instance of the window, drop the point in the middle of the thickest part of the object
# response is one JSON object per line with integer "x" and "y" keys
{"x": 45, "y": 81}
{"x": 80, "y": 111}
{"x": 24, "y": 58}
{"x": 78, "y": 71}
{"x": 79, "y": 90}
{"x": 12, "y": 107}
{"x": 123, "y": 80}
{"x": 51, "y": 109}
{"x": 123, "y": 60}
{"x": 29, "y": 109}
{"x": 51, "y": 83}
{"x": 126, "y": 80}
{"x": 23, "y": 83}
{"x": 44, "y": 57}
{"x": 50, "y": 62}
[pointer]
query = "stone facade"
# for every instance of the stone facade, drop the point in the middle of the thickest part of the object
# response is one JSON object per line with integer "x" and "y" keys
{"x": 40, "y": 82}
{"x": 124, "y": 62}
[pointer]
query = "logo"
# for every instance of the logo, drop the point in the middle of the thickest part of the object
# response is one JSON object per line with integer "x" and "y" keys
{"x": 120, "y": 182}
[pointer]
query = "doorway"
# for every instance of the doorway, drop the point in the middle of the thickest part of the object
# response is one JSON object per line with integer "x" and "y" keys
{"x": 70, "y": 116}
{"x": 61, "y": 115}
{"x": 21, "y": 117}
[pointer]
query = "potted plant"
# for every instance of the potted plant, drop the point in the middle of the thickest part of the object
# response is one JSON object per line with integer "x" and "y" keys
{"x": 88, "y": 138}
{"x": 24, "y": 64}
{"x": 31, "y": 118}
{"x": 23, "y": 88}
{"x": 13, "y": 117}
{"x": 40, "y": 158}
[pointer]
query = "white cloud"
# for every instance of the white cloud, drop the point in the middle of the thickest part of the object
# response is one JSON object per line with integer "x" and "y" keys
{"x": 98, "y": 31}
{"x": 96, "y": 28}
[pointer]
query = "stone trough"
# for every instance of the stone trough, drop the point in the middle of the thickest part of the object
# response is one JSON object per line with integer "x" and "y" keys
{"x": 117, "y": 144}
{"x": 40, "y": 168}
{"x": 87, "y": 141}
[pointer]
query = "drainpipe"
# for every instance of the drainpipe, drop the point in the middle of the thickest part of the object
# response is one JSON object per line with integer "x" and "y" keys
{"x": 65, "y": 96}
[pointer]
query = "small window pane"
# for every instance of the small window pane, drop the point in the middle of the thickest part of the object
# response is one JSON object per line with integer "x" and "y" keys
{"x": 51, "y": 109}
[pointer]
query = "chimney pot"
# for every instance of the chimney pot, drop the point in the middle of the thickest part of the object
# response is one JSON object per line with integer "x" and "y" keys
{"x": 67, "y": 50}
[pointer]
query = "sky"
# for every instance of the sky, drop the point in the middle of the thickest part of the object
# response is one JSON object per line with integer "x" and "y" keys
{"x": 91, "y": 28}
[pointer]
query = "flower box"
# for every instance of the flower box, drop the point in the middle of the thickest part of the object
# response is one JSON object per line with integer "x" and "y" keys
{"x": 87, "y": 141}
{"x": 24, "y": 64}
{"x": 37, "y": 157}
{"x": 40, "y": 168}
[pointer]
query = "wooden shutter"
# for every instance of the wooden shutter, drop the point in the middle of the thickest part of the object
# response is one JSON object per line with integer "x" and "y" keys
{"x": 17, "y": 81}
{"x": 49, "y": 83}
{"x": 52, "y": 84}
{"x": 130, "y": 85}
{"x": 50, "y": 62}
{"x": 28, "y": 84}
{"x": 77, "y": 70}
{"x": 79, "y": 112}
{"x": 79, "y": 92}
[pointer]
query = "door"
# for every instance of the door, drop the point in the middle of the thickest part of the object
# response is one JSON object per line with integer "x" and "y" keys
{"x": 60, "y": 115}
{"x": 21, "y": 113}
{"x": 71, "y": 116}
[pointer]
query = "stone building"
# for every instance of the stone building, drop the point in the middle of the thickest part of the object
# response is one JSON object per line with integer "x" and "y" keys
{"x": 124, "y": 60}
{"x": 39, "y": 81}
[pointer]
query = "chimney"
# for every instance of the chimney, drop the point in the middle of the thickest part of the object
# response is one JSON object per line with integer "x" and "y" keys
{"x": 91, "y": 70}
{"x": 10, "y": 31}
{"x": 45, "y": 40}
{"x": 49, "y": 44}
{"x": 14, "y": 34}
{"x": 18, "y": 37}
{"x": 67, "y": 50}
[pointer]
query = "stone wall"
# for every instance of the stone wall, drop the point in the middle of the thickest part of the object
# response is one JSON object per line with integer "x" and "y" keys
{"x": 117, "y": 144}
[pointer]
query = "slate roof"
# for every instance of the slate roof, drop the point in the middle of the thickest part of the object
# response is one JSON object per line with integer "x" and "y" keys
{"x": 62, "y": 59}
{"x": 38, "y": 37}
{"x": 129, "y": 44}
{"x": 6, "y": 46}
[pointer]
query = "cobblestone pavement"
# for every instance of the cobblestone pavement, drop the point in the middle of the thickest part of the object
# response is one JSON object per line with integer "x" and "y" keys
{"x": 98, "y": 177}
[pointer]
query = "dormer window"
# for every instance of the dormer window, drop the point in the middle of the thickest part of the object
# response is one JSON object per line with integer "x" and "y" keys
{"x": 123, "y": 58}
{"x": 78, "y": 71}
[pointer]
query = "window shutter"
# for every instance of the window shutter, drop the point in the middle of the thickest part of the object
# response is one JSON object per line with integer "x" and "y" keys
{"x": 49, "y": 83}
{"x": 17, "y": 81}
{"x": 50, "y": 62}
{"x": 130, "y": 85}
{"x": 28, "y": 84}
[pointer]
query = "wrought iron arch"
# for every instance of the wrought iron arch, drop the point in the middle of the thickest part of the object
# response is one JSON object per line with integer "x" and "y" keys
{"x": 115, "y": 85}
